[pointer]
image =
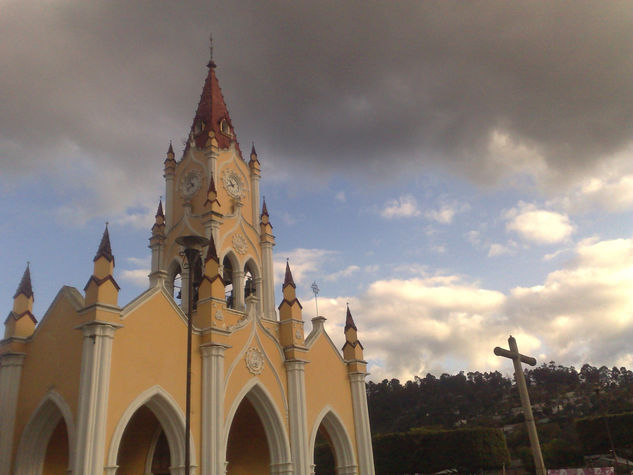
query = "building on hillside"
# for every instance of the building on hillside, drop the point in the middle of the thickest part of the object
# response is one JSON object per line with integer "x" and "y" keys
{"x": 97, "y": 388}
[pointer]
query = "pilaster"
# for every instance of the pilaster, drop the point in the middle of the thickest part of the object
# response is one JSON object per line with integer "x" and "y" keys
{"x": 238, "y": 290}
{"x": 361, "y": 423}
{"x": 94, "y": 384}
{"x": 213, "y": 455}
{"x": 10, "y": 374}
{"x": 297, "y": 417}
{"x": 268, "y": 283}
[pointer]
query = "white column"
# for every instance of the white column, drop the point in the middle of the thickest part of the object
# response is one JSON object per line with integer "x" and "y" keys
{"x": 94, "y": 384}
{"x": 213, "y": 454}
{"x": 10, "y": 373}
{"x": 169, "y": 200}
{"x": 268, "y": 282}
{"x": 238, "y": 290}
{"x": 361, "y": 423}
{"x": 258, "y": 292}
{"x": 255, "y": 199}
{"x": 297, "y": 417}
{"x": 157, "y": 275}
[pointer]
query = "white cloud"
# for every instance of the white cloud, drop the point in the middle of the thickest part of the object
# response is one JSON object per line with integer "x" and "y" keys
{"x": 538, "y": 225}
{"x": 445, "y": 213}
{"x": 497, "y": 249}
{"x": 137, "y": 275}
{"x": 581, "y": 313}
{"x": 340, "y": 196}
{"x": 404, "y": 207}
{"x": 348, "y": 271}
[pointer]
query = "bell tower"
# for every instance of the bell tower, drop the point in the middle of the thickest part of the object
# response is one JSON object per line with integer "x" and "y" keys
{"x": 212, "y": 191}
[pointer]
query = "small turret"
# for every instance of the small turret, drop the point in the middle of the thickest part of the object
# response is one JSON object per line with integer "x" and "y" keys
{"x": 170, "y": 161}
{"x": 290, "y": 314}
{"x": 253, "y": 163}
{"x": 353, "y": 348}
{"x": 265, "y": 228}
{"x": 21, "y": 322}
{"x": 101, "y": 287}
{"x": 157, "y": 245}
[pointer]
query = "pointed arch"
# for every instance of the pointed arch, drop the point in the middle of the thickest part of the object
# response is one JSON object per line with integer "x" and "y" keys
{"x": 37, "y": 433}
{"x": 171, "y": 419}
{"x": 341, "y": 442}
{"x": 232, "y": 276}
{"x": 276, "y": 436}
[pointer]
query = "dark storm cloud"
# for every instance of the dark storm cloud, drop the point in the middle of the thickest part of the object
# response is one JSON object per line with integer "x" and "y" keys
{"x": 354, "y": 87}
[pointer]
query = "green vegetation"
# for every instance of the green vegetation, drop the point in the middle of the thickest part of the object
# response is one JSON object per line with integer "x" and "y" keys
{"x": 560, "y": 395}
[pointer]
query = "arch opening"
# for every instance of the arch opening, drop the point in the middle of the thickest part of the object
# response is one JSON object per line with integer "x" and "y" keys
{"x": 247, "y": 450}
{"x": 227, "y": 277}
{"x": 46, "y": 440}
{"x": 332, "y": 449}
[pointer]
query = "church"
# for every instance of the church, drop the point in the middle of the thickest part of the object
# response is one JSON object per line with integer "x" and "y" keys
{"x": 207, "y": 371}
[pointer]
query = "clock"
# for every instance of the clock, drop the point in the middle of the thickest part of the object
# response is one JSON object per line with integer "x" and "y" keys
{"x": 190, "y": 183}
{"x": 233, "y": 184}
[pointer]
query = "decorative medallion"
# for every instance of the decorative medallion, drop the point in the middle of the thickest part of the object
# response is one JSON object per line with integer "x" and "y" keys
{"x": 218, "y": 315}
{"x": 254, "y": 361}
{"x": 239, "y": 243}
{"x": 298, "y": 334}
{"x": 233, "y": 184}
{"x": 190, "y": 183}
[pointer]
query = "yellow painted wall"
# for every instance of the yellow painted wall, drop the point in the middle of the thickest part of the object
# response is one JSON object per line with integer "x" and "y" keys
{"x": 151, "y": 349}
{"x": 247, "y": 450}
{"x": 53, "y": 361}
{"x": 324, "y": 363}
{"x": 56, "y": 460}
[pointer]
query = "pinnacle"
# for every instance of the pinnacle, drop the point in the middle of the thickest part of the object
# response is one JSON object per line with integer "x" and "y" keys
{"x": 171, "y": 149}
{"x": 211, "y": 252}
{"x": 25, "y": 287}
{"x": 264, "y": 209}
{"x": 104, "y": 247}
{"x": 349, "y": 321}
{"x": 159, "y": 211}
{"x": 288, "y": 280}
{"x": 253, "y": 152}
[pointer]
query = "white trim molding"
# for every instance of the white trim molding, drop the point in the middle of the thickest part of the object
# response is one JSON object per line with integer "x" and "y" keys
{"x": 297, "y": 417}
{"x": 10, "y": 374}
{"x": 361, "y": 423}
{"x": 94, "y": 385}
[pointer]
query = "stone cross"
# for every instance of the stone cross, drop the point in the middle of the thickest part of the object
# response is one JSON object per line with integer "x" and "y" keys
{"x": 517, "y": 358}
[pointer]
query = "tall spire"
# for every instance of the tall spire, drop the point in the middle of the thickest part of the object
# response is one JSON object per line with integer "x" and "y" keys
{"x": 212, "y": 116}
{"x": 25, "y": 287}
{"x": 104, "y": 247}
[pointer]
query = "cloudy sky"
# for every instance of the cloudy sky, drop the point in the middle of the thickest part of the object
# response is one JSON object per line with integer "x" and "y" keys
{"x": 456, "y": 171}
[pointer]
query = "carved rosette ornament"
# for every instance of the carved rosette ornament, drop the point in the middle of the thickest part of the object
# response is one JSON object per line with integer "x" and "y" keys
{"x": 239, "y": 244}
{"x": 254, "y": 361}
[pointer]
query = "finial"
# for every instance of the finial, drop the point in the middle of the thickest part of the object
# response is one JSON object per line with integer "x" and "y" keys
{"x": 211, "y": 63}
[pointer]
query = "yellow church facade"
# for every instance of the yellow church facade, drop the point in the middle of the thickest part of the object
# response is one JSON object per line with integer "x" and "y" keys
{"x": 99, "y": 388}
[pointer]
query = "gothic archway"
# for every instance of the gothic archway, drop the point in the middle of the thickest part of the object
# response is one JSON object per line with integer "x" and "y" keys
{"x": 47, "y": 438}
{"x": 256, "y": 441}
{"x": 138, "y": 433}
{"x": 330, "y": 430}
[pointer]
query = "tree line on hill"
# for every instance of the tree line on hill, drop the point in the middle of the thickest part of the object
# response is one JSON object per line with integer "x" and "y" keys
{"x": 569, "y": 406}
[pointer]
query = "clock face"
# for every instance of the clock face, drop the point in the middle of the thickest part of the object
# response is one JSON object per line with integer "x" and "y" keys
{"x": 190, "y": 183}
{"x": 232, "y": 184}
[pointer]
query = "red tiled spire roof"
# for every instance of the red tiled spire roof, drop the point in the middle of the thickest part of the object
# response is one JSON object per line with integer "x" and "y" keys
{"x": 349, "y": 321}
{"x": 210, "y": 113}
{"x": 104, "y": 247}
{"x": 288, "y": 280}
{"x": 25, "y": 287}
